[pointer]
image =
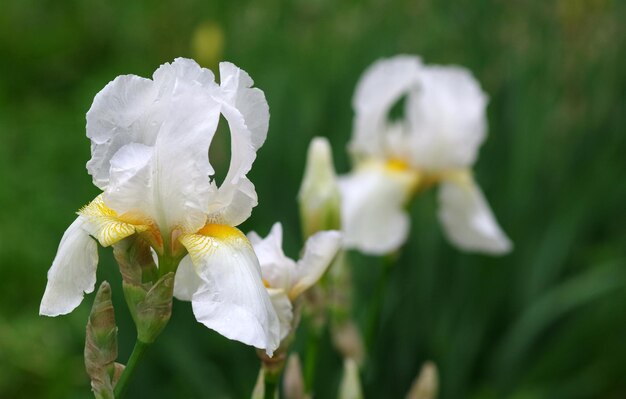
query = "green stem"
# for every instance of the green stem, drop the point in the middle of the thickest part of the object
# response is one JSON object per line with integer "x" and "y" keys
{"x": 271, "y": 386}
{"x": 311, "y": 359}
{"x": 379, "y": 297}
{"x": 129, "y": 370}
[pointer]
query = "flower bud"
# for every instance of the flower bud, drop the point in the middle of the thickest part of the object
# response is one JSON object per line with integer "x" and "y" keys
{"x": 101, "y": 345}
{"x": 426, "y": 384}
{"x": 350, "y": 387}
{"x": 151, "y": 309}
{"x": 347, "y": 339}
{"x": 293, "y": 382}
{"x": 319, "y": 196}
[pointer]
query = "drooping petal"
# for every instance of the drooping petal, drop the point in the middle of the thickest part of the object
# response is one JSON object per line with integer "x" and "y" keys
{"x": 284, "y": 310}
{"x": 447, "y": 118}
{"x": 276, "y": 268}
{"x": 467, "y": 219}
{"x": 105, "y": 225}
{"x": 150, "y": 141}
{"x": 381, "y": 86}
{"x": 372, "y": 201}
{"x": 247, "y": 113}
{"x": 186, "y": 281}
{"x": 232, "y": 299}
{"x": 319, "y": 251}
{"x": 73, "y": 271}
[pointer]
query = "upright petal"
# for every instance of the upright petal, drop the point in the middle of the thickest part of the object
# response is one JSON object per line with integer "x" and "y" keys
{"x": 446, "y": 118}
{"x": 247, "y": 113}
{"x": 232, "y": 299}
{"x": 372, "y": 214}
{"x": 319, "y": 251}
{"x": 381, "y": 86}
{"x": 276, "y": 268}
{"x": 150, "y": 141}
{"x": 73, "y": 272}
{"x": 467, "y": 219}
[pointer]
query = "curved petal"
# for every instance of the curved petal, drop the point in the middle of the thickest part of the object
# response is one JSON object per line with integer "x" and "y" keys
{"x": 379, "y": 88}
{"x": 319, "y": 251}
{"x": 276, "y": 268}
{"x": 73, "y": 272}
{"x": 150, "y": 140}
{"x": 186, "y": 281}
{"x": 105, "y": 225}
{"x": 467, "y": 219}
{"x": 247, "y": 113}
{"x": 284, "y": 310}
{"x": 447, "y": 118}
{"x": 232, "y": 299}
{"x": 372, "y": 214}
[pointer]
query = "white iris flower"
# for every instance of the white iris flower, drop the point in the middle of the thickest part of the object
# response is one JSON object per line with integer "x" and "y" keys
{"x": 150, "y": 140}
{"x": 436, "y": 141}
{"x": 287, "y": 279}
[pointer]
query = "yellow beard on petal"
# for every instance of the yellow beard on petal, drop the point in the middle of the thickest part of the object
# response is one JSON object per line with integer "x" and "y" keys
{"x": 208, "y": 238}
{"x": 106, "y": 226}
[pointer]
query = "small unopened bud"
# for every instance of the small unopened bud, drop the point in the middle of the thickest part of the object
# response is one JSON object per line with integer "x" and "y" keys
{"x": 101, "y": 345}
{"x": 350, "y": 387}
{"x": 293, "y": 382}
{"x": 151, "y": 309}
{"x": 426, "y": 384}
{"x": 319, "y": 196}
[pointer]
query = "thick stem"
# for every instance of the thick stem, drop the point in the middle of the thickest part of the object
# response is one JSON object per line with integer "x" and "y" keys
{"x": 271, "y": 386}
{"x": 129, "y": 370}
{"x": 379, "y": 297}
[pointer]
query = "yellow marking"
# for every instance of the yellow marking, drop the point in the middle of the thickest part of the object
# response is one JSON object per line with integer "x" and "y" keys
{"x": 397, "y": 165}
{"x": 209, "y": 238}
{"x": 106, "y": 226}
{"x": 266, "y": 283}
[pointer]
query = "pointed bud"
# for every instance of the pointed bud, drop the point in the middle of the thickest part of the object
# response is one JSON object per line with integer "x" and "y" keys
{"x": 101, "y": 344}
{"x": 319, "y": 196}
{"x": 134, "y": 257}
{"x": 350, "y": 387}
{"x": 293, "y": 382}
{"x": 426, "y": 384}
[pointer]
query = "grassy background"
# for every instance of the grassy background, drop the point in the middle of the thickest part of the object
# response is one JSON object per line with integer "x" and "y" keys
{"x": 546, "y": 321}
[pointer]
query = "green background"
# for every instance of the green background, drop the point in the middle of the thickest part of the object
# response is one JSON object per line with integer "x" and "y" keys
{"x": 546, "y": 321}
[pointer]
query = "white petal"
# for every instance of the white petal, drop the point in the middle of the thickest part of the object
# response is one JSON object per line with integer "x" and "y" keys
{"x": 467, "y": 219}
{"x": 319, "y": 251}
{"x": 232, "y": 300}
{"x": 284, "y": 310}
{"x": 372, "y": 214}
{"x": 73, "y": 272}
{"x": 276, "y": 268}
{"x": 247, "y": 113}
{"x": 380, "y": 87}
{"x": 447, "y": 118}
{"x": 150, "y": 141}
{"x": 186, "y": 282}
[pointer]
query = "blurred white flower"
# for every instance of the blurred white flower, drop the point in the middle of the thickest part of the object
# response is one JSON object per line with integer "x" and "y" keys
{"x": 436, "y": 141}
{"x": 150, "y": 140}
{"x": 287, "y": 279}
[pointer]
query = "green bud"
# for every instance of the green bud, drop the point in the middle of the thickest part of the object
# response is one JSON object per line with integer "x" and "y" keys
{"x": 134, "y": 257}
{"x": 101, "y": 345}
{"x": 152, "y": 313}
{"x": 426, "y": 384}
{"x": 319, "y": 197}
{"x": 350, "y": 387}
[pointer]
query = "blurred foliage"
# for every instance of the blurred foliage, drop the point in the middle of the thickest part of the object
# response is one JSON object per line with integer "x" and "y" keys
{"x": 546, "y": 321}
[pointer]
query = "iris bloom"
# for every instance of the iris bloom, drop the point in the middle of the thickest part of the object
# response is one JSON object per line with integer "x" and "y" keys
{"x": 150, "y": 141}
{"x": 287, "y": 279}
{"x": 435, "y": 142}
